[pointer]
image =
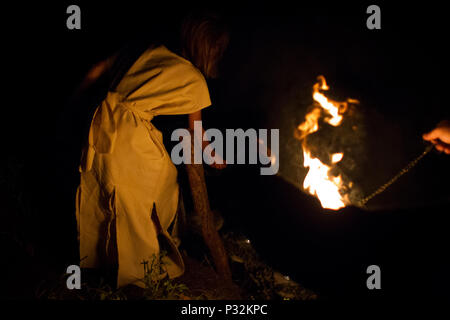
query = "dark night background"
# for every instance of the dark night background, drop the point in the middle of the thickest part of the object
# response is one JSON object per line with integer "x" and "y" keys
{"x": 275, "y": 54}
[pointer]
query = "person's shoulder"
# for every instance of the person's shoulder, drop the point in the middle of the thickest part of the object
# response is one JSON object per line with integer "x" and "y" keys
{"x": 178, "y": 72}
{"x": 176, "y": 64}
{"x": 190, "y": 78}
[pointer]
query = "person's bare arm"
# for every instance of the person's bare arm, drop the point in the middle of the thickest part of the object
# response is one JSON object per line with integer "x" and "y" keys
{"x": 197, "y": 116}
{"x": 98, "y": 70}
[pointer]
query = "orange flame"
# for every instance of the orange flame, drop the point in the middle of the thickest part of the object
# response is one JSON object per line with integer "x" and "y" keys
{"x": 318, "y": 180}
{"x": 330, "y": 106}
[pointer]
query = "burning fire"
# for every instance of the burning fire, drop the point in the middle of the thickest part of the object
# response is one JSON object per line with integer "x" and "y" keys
{"x": 318, "y": 180}
{"x": 319, "y": 183}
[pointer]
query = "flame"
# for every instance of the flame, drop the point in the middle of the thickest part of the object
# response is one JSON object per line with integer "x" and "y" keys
{"x": 336, "y": 157}
{"x": 318, "y": 181}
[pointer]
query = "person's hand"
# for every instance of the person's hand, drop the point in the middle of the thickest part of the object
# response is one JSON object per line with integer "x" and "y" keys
{"x": 216, "y": 165}
{"x": 219, "y": 166}
{"x": 440, "y": 136}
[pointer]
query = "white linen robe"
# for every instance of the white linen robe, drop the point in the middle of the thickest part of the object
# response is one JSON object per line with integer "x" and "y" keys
{"x": 125, "y": 169}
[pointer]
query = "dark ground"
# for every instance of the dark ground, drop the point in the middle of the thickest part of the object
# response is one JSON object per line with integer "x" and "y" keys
{"x": 274, "y": 57}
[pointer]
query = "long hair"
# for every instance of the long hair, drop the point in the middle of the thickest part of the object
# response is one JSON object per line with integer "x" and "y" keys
{"x": 204, "y": 38}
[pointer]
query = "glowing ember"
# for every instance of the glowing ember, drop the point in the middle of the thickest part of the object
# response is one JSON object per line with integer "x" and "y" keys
{"x": 318, "y": 180}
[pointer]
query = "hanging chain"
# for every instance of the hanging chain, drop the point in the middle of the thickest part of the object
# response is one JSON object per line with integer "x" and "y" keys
{"x": 410, "y": 165}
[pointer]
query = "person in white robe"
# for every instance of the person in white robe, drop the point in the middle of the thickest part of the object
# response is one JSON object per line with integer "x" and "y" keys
{"x": 128, "y": 193}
